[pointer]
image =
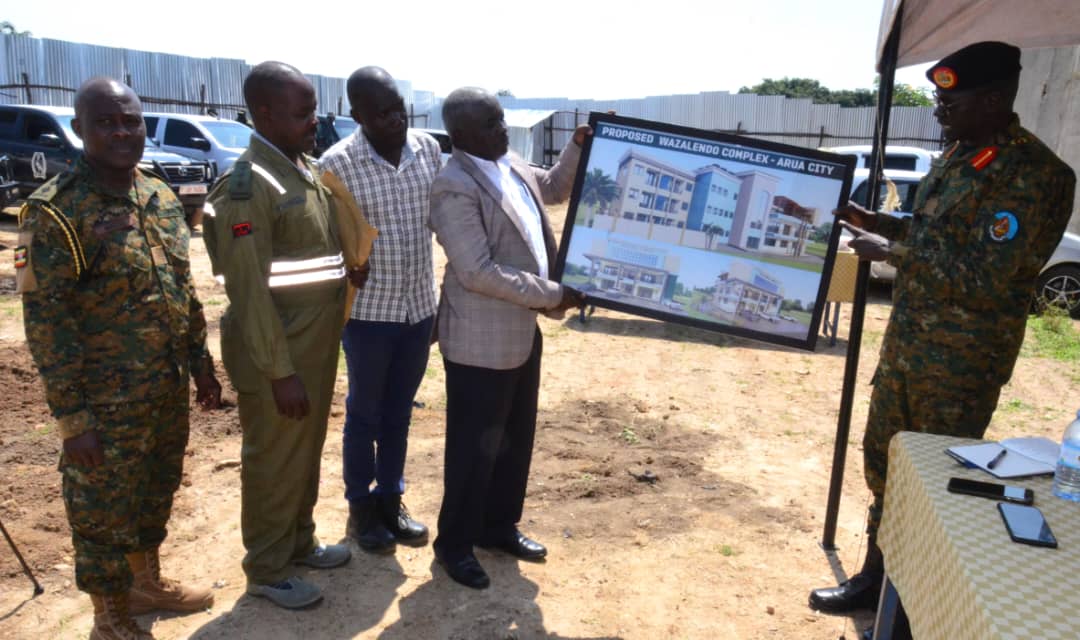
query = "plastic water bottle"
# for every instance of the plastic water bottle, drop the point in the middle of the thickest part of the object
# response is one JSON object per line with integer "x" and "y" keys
{"x": 1067, "y": 473}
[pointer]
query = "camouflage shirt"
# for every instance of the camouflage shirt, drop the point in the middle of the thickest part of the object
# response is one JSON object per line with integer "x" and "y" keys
{"x": 109, "y": 306}
{"x": 985, "y": 222}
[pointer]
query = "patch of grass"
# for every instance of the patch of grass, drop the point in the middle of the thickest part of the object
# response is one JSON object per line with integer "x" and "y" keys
{"x": 1055, "y": 336}
{"x": 42, "y": 430}
{"x": 1015, "y": 405}
{"x": 629, "y": 436}
{"x": 726, "y": 550}
{"x": 11, "y": 307}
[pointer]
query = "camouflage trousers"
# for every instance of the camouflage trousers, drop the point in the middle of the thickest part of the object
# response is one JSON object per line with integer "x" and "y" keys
{"x": 933, "y": 390}
{"x": 123, "y": 505}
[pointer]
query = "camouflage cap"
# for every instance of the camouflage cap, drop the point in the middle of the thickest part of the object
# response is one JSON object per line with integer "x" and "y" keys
{"x": 974, "y": 66}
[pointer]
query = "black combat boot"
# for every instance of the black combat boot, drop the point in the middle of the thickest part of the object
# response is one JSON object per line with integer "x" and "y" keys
{"x": 396, "y": 519}
{"x": 366, "y": 527}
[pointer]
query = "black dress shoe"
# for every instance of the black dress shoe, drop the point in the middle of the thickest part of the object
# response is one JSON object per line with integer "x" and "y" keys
{"x": 861, "y": 591}
{"x": 465, "y": 569}
{"x": 396, "y": 520}
{"x": 517, "y": 545}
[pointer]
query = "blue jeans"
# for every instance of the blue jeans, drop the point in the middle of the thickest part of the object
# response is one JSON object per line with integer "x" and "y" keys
{"x": 386, "y": 362}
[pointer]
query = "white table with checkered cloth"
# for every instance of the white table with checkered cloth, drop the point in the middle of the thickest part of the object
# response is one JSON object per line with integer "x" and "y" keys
{"x": 951, "y": 560}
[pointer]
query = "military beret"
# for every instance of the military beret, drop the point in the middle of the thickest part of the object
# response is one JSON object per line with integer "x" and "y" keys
{"x": 974, "y": 66}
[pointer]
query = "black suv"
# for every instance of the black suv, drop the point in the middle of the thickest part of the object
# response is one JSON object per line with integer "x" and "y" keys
{"x": 40, "y": 143}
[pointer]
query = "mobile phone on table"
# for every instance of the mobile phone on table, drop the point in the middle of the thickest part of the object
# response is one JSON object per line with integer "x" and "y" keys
{"x": 1027, "y": 525}
{"x": 1009, "y": 493}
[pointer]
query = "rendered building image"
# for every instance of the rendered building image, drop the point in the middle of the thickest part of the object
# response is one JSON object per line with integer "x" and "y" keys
{"x": 748, "y": 290}
{"x": 639, "y": 271}
{"x": 735, "y": 209}
{"x": 652, "y": 191}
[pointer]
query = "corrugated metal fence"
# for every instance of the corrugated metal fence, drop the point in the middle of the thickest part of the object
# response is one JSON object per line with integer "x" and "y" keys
{"x": 43, "y": 71}
{"x": 797, "y": 122}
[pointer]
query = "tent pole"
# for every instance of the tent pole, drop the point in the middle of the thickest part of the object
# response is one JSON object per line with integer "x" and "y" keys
{"x": 858, "y": 307}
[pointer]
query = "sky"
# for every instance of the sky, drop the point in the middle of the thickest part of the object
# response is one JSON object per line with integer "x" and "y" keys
{"x": 599, "y": 49}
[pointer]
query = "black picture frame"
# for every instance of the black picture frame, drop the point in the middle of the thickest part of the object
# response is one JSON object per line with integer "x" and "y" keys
{"x": 716, "y": 231}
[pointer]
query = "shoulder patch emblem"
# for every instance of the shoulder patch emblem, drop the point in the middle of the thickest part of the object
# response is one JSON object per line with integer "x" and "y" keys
{"x": 22, "y": 256}
{"x": 1004, "y": 227}
{"x": 984, "y": 158}
{"x": 241, "y": 229}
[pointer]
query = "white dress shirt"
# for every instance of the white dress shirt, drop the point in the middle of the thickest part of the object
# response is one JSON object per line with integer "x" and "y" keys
{"x": 513, "y": 187}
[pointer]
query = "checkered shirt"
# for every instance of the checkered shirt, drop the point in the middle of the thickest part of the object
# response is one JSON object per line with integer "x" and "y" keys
{"x": 401, "y": 286}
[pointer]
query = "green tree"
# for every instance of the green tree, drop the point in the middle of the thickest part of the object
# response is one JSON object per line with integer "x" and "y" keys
{"x": 822, "y": 232}
{"x": 504, "y": 93}
{"x": 904, "y": 95}
{"x": 597, "y": 191}
{"x": 7, "y": 28}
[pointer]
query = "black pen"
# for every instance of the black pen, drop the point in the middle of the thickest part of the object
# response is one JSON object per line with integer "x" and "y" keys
{"x": 993, "y": 463}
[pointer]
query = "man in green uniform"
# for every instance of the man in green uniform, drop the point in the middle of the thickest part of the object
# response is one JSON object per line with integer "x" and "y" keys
{"x": 116, "y": 330}
{"x": 987, "y": 217}
{"x": 271, "y": 237}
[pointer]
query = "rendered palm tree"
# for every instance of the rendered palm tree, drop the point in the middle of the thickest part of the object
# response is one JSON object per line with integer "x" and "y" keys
{"x": 597, "y": 191}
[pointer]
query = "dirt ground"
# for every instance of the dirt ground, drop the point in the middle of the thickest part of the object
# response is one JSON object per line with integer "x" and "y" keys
{"x": 723, "y": 544}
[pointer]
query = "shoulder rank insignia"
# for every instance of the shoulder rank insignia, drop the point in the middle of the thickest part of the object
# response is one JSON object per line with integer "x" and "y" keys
{"x": 240, "y": 181}
{"x": 984, "y": 158}
{"x": 1004, "y": 227}
{"x": 241, "y": 229}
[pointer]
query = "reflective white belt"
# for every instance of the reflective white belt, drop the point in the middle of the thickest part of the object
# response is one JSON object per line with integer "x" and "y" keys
{"x": 293, "y": 272}
{"x": 288, "y": 273}
{"x": 208, "y": 209}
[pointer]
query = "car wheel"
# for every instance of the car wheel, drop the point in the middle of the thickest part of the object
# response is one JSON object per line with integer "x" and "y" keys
{"x": 1060, "y": 286}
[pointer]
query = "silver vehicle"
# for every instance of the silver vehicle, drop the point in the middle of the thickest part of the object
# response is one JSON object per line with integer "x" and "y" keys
{"x": 203, "y": 137}
{"x": 1059, "y": 281}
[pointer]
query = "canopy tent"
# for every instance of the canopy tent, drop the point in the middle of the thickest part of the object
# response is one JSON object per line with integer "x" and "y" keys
{"x": 931, "y": 29}
{"x": 913, "y": 32}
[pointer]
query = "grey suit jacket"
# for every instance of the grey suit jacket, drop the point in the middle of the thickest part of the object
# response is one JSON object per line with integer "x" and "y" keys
{"x": 491, "y": 290}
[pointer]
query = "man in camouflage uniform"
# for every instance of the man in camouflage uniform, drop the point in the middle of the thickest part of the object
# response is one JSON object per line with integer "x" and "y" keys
{"x": 116, "y": 330}
{"x": 987, "y": 217}
{"x": 271, "y": 237}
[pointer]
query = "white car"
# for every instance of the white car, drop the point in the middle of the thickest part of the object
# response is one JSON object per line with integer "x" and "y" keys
{"x": 203, "y": 137}
{"x": 1059, "y": 280}
{"x": 907, "y": 183}
{"x": 896, "y": 157}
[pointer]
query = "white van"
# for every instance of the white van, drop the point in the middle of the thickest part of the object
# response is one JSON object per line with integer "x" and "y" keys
{"x": 896, "y": 157}
{"x": 203, "y": 137}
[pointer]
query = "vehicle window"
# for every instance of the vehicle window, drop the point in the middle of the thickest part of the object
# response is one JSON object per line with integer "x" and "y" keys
{"x": 65, "y": 124}
{"x": 37, "y": 125}
{"x": 151, "y": 125}
{"x": 229, "y": 134}
{"x": 179, "y": 133}
{"x": 444, "y": 142}
{"x": 7, "y": 122}
{"x": 905, "y": 190}
{"x": 907, "y": 163}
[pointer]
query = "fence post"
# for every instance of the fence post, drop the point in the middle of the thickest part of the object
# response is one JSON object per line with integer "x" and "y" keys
{"x": 202, "y": 99}
{"x": 26, "y": 87}
{"x": 339, "y": 105}
{"x": 821, "y": 137}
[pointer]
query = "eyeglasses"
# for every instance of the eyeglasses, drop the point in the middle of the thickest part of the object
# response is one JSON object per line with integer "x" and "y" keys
{"x": 954, "y": 103}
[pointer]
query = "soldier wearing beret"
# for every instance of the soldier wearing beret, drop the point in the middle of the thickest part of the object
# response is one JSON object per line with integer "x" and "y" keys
{"x": 116, "y": 331}
{"x": 986, "y": 219}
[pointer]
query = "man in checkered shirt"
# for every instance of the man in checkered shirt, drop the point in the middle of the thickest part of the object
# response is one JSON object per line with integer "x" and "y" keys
{"x": 389, "y": 170}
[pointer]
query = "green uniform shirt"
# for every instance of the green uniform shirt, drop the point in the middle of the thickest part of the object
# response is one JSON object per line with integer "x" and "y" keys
{"x": 985, "y": 222}
{"x": 270, "y": 234}
{"x": 110, "y": 310}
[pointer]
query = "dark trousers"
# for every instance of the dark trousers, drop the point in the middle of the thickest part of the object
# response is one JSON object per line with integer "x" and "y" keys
{"x": 386, "y": 362}
{"x": 490, "y": 424}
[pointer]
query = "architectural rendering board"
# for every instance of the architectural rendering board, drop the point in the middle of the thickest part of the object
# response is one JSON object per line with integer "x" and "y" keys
{"x": 717, "y": 231}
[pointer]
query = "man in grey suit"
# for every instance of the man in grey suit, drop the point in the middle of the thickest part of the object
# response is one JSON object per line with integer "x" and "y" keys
{"x": 487, "y": 213}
